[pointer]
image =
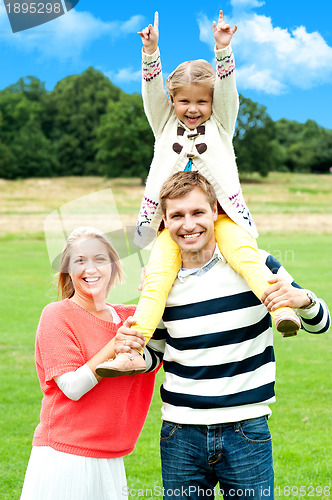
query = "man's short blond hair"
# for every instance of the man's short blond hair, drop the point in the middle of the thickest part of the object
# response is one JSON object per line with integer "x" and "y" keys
{"x": 181, "y": 183}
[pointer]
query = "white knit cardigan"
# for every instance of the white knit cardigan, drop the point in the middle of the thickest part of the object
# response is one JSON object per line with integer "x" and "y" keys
{"x": 211, "y": 143}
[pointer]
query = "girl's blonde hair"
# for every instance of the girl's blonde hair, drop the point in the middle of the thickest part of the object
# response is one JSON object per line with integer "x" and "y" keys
{"x": 65, "y": 285}
{"x": 198, "y": 72}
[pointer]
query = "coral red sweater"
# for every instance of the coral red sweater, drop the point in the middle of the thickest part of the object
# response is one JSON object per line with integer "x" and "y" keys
{"x": 107, "y": 420}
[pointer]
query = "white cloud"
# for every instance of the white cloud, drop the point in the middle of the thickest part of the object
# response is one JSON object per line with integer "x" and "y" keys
{"x": 249, "y": 77}
{"x": 124, "y": 75}
{"x": 271, "y": 59}
{"x": 246, "y": 4}
{"x": 67, "y": 36}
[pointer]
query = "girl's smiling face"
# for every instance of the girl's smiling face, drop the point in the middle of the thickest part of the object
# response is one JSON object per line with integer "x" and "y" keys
{"x": 193, "y": 105}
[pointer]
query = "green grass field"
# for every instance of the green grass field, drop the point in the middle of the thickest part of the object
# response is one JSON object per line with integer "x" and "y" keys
{"x": 301, "y": 422}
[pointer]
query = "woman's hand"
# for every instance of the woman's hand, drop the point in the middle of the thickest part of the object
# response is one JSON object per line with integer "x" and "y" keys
{"x": 127, "y": 338}
{"x": 150, "y": 36}
{"x": 283, "y": 294}
{"x": 222, "y": 32}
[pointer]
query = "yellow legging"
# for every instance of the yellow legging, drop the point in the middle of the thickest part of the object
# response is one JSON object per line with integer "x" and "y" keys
{"x": 236, "y": 245}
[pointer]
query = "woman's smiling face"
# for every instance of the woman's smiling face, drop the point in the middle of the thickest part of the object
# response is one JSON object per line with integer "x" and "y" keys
{"x": 90, "y": 267}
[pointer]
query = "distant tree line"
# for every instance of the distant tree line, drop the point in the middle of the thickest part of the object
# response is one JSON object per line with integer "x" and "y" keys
{"x": 88, "y": 126}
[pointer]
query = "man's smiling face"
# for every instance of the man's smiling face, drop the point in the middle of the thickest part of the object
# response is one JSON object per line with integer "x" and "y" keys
{"x": 190, "y": 221}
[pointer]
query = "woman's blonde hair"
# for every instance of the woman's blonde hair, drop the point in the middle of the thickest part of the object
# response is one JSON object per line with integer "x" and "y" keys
{"x": 65, "y": 285}
{"x": 198, "y": 72}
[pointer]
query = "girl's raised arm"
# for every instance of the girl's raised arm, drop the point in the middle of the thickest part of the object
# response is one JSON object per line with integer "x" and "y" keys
{"x": 222, "y": 32}
{"x": 150, "y": 36}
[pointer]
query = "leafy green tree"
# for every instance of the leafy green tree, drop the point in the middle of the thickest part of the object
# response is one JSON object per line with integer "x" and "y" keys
{"x": 75, "y": 107}
{"x": 322, "y": 157}
{"x": 34, "y": 153}
{"x": 8, "y": 164}
{"x": 125, "y": 139}
{"x": 30, "y": 86}
{"x": 27, "y": 151}
{"x": 308, "y": 146}
{"x": 254, "y": 143}
{"x": 88, "y": 126}
{"x": 16, "y": 110}
{"x": 287, "y": 132}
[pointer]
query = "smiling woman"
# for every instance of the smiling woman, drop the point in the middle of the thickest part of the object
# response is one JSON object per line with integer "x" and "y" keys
{"x": 87, "y": 424}
{"x": 89, "y": 267}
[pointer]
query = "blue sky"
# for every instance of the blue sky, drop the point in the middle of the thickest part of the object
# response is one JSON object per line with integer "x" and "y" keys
{"x": 283, "y": 49}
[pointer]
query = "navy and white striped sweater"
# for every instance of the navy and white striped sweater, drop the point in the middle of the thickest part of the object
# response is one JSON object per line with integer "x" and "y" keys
{"x": 217, "y": 347}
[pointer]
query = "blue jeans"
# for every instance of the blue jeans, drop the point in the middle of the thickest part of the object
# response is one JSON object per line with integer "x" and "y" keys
{"x": 238, "y": 456}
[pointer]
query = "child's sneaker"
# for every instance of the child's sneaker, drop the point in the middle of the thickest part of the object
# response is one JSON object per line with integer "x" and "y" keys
{"x": 287, "y": 323}
{"x": 124, "y": 364}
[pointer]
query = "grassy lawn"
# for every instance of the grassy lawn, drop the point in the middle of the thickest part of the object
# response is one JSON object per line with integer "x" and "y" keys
{"x": 278, "y": 193}
{"x": 24, "y": 204}
{"x": 302, "y": 418}
{"x": 288, "y": 193}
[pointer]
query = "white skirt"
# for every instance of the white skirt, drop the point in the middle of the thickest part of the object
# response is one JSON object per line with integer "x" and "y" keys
{"x": 54, "y": 475}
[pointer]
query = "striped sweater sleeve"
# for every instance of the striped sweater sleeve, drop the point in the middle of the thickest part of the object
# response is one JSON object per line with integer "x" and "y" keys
{"x": 316, "y": 319}
{"x": 154, "y": 350}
